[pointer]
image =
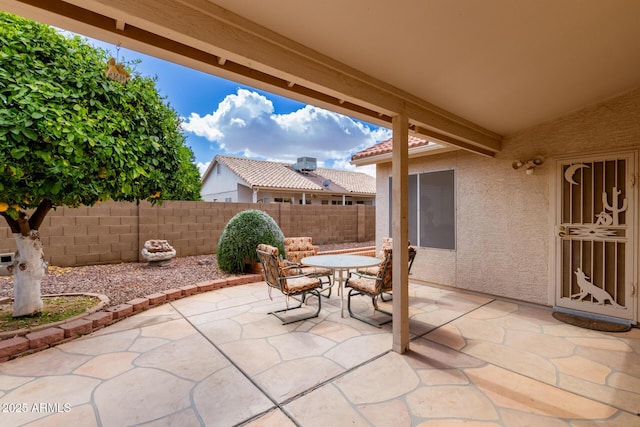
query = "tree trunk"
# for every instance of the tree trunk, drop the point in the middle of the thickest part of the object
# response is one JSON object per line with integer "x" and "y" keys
{"x": 29, "y": 268}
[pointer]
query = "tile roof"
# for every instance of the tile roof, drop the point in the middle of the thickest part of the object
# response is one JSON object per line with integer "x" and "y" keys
{"x": 262, "y": 173}
{"x": 386, "y": 147}
{"x": 354, "y": 182}
{"x": 267, "y": 174}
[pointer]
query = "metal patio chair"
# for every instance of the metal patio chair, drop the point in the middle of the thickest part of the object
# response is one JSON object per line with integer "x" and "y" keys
{"x": 412, "y": 257}
{"x": 372, "y": 286}
{"x": 297, "y": 248}
{"x": 387, "y": 245}
{"x": 289, "y": 280}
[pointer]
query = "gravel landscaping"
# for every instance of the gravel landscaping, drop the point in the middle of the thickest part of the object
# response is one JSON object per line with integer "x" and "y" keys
{"x": 126, "y": 281}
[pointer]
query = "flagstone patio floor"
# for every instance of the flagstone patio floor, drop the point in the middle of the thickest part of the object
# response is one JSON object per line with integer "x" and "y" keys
{"x": 218, "y": 359}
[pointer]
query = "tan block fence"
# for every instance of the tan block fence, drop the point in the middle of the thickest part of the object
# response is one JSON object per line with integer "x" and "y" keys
{"x": 115, "y": 232}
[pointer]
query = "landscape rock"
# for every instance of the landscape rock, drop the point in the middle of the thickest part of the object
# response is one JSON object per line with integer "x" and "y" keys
{"x": 158, "y": 252}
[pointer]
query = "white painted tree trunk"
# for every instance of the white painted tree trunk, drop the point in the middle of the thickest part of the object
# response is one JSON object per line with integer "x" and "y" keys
{"x": 29, "y": 268}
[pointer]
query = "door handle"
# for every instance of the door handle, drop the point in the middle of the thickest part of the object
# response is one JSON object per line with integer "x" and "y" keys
{"x": 563, "y": 232}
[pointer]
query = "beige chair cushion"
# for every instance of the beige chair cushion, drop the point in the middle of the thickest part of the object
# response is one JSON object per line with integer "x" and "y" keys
{"x": 296, "y": 248}
{"x": 299, "y": 284}
{"x": 375, "y": 286}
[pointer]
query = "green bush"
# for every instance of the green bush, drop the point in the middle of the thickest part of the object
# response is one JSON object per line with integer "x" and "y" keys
{"x": 242, "y": 235}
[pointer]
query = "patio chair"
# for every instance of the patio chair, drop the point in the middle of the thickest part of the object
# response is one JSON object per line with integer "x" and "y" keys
{"x": 387, "y": 244}
{"x": 372, "y": 286}
{"x": 289, "y": 280}
{"x": 412, "y": 257}
{"x": 296, "y": 248}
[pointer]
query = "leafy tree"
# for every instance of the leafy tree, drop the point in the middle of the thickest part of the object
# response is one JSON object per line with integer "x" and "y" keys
{"x": 70, "y": 136}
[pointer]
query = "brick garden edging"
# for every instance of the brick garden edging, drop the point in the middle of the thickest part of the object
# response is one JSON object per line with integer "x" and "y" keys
{"x": 28, "y": 342}
{"x": 104, "y": 300}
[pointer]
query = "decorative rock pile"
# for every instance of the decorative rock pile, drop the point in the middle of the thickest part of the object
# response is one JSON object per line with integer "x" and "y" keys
{"x": 158, "y": 253}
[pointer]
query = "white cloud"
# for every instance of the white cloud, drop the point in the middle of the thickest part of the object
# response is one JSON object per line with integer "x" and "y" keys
{"x": 345, "y": 165}
{"x": 246, "y": 123}
{"x": 202, "y": 167}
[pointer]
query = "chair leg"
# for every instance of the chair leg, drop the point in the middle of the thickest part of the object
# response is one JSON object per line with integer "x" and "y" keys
{"x": 328, "y": 287}
{"x": 325, "y": 285}
{"x": 374, "y": 301}
{"x": 354, "y": 292}
{"x": 286, "y": 321}
{"x": 386, "y": 300}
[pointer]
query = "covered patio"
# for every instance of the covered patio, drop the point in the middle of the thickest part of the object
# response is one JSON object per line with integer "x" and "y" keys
{"x": 219, "y": 359}
{"x": 469, "y": 76}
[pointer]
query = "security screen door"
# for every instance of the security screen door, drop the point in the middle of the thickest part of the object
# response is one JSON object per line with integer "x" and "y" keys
{"x": 595, "y": 235}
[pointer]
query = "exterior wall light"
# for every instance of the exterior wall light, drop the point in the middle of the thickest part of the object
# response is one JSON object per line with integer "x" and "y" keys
{"x": 529, "y": 165}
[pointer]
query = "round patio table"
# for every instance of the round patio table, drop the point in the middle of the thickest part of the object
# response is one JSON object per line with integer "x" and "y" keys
{"x": 340, "y": 263}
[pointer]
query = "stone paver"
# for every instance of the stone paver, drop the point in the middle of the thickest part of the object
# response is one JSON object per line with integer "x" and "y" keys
{"x": 370, "y": 383}
{"x": 228, "y": 398}
{"x": 218, "y": 358}
{"x": 107, "y": 365}
{"x": 514, "y": 391}
{"x": 141, "y": 395}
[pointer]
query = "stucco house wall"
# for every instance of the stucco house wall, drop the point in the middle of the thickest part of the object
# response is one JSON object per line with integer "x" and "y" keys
{"x": 225, "y": 186}
{"x": 505, "y": 228}
{"x": 244, "y": 193}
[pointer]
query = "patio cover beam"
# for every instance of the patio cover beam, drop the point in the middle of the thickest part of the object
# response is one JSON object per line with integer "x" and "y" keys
{"x": 204, "y": 36}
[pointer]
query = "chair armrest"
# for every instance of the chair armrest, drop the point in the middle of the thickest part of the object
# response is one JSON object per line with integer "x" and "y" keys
{"x": 311, "y": 276}
{"x": 293, "y": 268}
{"x": 363, "y": 275}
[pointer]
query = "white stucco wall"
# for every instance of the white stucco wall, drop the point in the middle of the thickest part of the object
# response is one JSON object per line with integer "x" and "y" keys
{"x": 504, "y": 222}
{"x": 245, "y": 194}
{"x": 219, "y": 187}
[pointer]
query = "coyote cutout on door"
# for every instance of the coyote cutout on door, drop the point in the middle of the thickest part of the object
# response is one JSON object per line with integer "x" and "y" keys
{"x": 587, "y": 288}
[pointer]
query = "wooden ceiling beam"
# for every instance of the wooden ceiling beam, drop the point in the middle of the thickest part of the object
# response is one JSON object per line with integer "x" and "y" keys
{"x": 449, "y": 140}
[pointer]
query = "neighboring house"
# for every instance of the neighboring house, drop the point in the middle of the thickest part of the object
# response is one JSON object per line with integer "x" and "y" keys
{"x": 553, "y": 213}
{"x": 237, "y": 179}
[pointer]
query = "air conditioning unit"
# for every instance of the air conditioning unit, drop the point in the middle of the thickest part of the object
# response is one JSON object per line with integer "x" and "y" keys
{"x": 5, "y": 261}
{"x": 305, "y": 164}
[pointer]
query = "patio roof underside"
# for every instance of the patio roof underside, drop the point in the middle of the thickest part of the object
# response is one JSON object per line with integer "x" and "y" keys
{"x": 465, "y": 73}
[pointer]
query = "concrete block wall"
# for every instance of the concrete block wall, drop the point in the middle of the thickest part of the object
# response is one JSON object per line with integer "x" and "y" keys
{"x": 115, "y": 232}
{"x": 333, "y": 223}
{"x": 101, "y": 234}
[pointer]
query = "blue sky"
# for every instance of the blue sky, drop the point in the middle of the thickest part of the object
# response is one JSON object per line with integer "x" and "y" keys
{"x": 224, "y": 117}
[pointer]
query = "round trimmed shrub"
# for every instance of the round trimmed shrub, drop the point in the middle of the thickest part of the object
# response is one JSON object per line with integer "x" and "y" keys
{"x": 242, "y": 235}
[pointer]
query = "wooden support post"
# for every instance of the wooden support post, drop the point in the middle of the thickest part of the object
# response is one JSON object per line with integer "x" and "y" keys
{"x": 400, "y": 232}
